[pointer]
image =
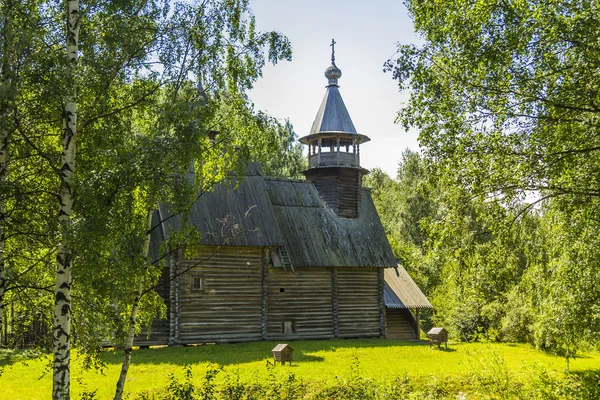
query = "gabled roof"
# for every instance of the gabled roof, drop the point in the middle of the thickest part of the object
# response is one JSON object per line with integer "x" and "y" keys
{"x": 266, "y": 212}
{"x": 401, "y": 291}
{"x": 282, "y": 346}
{"x": 436, "y": 331}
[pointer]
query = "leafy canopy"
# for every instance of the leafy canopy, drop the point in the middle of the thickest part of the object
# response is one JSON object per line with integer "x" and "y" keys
{"x": 506, "y": 93}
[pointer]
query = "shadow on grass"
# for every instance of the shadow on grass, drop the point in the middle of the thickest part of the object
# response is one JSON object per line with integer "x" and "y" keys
{"x": 11, "y": 356}
{"x": 228, "y": 354}
{"x": 442, "y": 349}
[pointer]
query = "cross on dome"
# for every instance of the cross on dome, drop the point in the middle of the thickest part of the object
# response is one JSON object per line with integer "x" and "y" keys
{"x": 333, "y": 73}
{"x": 333, "y": 51}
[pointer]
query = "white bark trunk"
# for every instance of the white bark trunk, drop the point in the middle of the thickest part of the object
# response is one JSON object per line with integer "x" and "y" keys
{"x": 62, "y": 309}
{"x": 3, "y": 167}
{"x": 6, "y": 84}
{"x": 133, "y": 316}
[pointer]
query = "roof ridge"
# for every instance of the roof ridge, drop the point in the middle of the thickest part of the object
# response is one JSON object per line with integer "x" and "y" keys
{"x": 283, "y": 179}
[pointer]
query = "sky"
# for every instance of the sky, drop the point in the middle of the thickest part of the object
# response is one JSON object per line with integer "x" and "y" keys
{"x": 366, "y": 34}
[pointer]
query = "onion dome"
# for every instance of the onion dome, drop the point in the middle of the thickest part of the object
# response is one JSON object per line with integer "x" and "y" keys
{"x": 333, "y": 73}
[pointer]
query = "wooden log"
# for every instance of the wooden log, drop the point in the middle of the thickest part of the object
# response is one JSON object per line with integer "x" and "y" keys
{"x": 358, "y": 294}
{"x": 398, "y": 325}
{"x": 229, "y": 304}
{"x": 174, "y": 299}
{"x": 265, "y": 293}
{"x": 418, "y": 330}
{"x": 381, "y": 284}
{"x": 335, "y": 302}
{"x": 303, "y": 298}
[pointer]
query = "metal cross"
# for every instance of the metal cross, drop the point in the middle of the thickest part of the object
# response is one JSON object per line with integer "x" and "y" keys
{"x": 332, "y": 51}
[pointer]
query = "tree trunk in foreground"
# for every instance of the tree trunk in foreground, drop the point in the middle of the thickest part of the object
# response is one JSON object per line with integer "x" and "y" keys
{"x": 6, "y": 86}
{"x": 61, "y": 334}
{"x": 3, "y": 166}
{"x": 133, "y": 316}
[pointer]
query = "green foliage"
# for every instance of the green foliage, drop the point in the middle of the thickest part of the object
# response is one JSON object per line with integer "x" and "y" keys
{"x": 405, "y": 205}
{"x": 281, "y": 154}
{"x": 153, "y": 79}
{"x": 453, "y": 246}
{"x": 504, "y": 94}
{"x": 386, "y": 369}
{"x": 181, "y": 391}
{"x": 505, "y": 98}
{"x": 492, "y": 377}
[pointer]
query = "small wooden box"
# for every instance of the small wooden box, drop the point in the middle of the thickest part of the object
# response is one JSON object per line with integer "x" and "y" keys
{"x": 438, "y": 336}
{"x": 282, "y": 353}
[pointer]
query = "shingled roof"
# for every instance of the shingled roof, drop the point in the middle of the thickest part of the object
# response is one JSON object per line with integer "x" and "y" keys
{"x": 401, "y": 291}
{"x": 315, "y": 236}
{"x": 332, "y": 115}
{"x": 268, "y": 212}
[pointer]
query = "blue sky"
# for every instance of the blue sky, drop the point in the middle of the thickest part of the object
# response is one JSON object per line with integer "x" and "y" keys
{"x": 366, "y": 33}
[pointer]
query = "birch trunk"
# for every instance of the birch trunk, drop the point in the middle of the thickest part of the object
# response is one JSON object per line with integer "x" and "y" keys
{"x": 3, "y": 167}
{"x": 133, "y": 316}
{"x": 6, "y": 88}
{"x": 62, "y": 300}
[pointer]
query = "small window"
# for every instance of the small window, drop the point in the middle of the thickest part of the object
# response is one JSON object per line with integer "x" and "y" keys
{"x": 197, "y": 283}
{"x": 281, "y": 290}
{"x": 288, "y": 327}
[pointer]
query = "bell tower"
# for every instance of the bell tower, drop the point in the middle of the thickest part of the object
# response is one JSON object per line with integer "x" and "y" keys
{"x": 334, "y": 150}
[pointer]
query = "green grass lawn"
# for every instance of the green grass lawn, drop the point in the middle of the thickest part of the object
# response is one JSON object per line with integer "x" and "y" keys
{"x": 316, "y": 362}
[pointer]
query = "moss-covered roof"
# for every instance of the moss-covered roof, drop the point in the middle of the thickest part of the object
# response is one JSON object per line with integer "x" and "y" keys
{"x": 266, "y": 212}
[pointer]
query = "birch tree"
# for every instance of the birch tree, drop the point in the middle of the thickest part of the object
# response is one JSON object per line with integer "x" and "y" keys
{"x": 119, "y": 43}
{"x": 133, "y": 316}
{"x": 64, "y": 256}
{"x": 6, "y": 89}
{"x": 506, "y": 97}
{"x": 158, "y": 139}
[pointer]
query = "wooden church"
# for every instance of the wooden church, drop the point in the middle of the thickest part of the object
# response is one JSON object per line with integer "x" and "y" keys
{"x": 284, "y": 259}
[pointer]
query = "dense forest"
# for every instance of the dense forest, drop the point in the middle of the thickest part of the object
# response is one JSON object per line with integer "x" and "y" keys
{"x": 497, "y": 218}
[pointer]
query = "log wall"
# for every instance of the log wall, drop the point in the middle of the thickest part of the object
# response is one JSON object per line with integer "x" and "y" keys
{"x": 159, "y": 330}
{"x": 229, "y": 306}
{"x": 349, "y": 192}
{"x": 400, "y": 324}
{"x": 358, "y": 302}
{"x": 305, "y": 299}
{"x": 245, "y": 298}
{"x": 339, "y": 188}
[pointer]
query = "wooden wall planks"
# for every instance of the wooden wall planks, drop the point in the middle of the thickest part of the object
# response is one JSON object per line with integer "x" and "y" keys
{"x": 305, "y": 300}
{"x": 399, "y": 325}
{"x": 339, "y": 188}
{"x": 358, "y": 296}
{"x": 243, "y": 297}
{"x": 229, "y": 305}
